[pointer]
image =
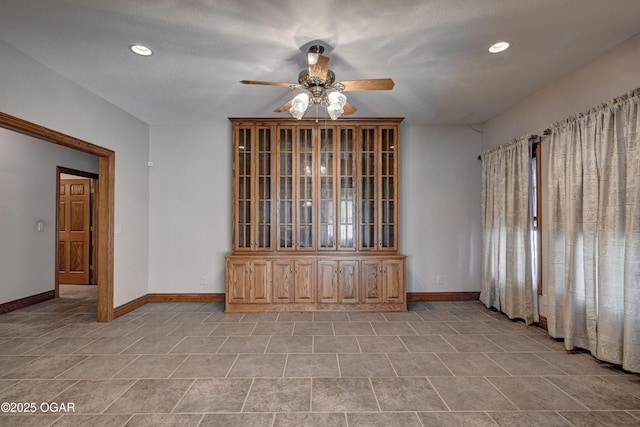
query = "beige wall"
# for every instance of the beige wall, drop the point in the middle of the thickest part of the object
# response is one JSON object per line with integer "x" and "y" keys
{"x": 608, "y": 76}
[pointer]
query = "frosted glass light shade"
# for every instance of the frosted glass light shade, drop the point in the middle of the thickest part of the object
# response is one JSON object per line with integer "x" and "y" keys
{"x": 337, "y": 98}
{"x": 300, "y": 102}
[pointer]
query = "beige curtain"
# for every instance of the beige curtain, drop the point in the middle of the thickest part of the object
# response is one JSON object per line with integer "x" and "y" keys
{"x": 507, "y": 282}
{"x": 593, "y": 280}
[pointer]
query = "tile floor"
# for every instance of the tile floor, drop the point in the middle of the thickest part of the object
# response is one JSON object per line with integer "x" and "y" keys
{"x": 189, "y": 364}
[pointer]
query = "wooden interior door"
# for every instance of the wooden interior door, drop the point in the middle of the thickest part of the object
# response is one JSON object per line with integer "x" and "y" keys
{"x": 75, "y": 235}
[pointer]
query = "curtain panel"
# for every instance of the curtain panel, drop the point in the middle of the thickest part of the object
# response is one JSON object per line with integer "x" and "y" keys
{"x": 593, "y": 280}
{"x": 507, "y": 282}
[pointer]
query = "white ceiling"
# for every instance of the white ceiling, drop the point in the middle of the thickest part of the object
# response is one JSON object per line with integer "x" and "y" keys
{"x": 435, "y": 51}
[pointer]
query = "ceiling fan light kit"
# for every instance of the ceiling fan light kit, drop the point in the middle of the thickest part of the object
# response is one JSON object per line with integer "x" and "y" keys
{"x": 319, "y": 88}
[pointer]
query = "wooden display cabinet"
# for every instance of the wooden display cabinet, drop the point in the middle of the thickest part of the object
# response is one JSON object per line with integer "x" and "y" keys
{"x": 315, "y": 216}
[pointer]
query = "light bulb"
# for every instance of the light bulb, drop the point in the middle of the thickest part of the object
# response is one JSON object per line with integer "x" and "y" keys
{"x": 334, "y": 111}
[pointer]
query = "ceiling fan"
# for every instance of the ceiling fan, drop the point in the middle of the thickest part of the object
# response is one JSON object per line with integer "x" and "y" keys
{"x": 319, "y": 88}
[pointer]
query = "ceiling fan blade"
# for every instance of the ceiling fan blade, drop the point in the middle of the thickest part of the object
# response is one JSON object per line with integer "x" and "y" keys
{"x": 371, "y": 84}
{"x": 255, "y": 82}
{"x": 320, "y": 68}
{"x": 349, "y": 109}
{"x": 284, "y": 107}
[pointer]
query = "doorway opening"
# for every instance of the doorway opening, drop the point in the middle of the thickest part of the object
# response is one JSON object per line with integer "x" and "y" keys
{"x": 105, "y": 197}
{"x": 76, "y": 220}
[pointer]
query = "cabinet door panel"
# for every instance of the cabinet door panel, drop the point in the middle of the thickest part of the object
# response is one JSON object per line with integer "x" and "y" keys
{"x": 286, "y": 191}
{"x": 371, "y": 281}
{"x": 348, "y": 282}
{"x": 260, "y": 282}
{"x": 393, "y": 280}
{"x": 237, "y": 279}
{"x": 283, "y": 279}
{"x": 305, "y": 281}
{"x": 328, "y": 281}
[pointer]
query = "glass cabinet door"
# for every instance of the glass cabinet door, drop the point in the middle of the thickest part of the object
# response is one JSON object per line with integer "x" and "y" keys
{"x": 346, "y": 190}
{"x": 263, "y": 189}
{"x": 254, "y": 192}
{"x": 285, "y": 189}
{"x": 326, "y": 195}
{"x": 388, "y": 187}
{"x": 305, "y": 189}
{"x": 368, "y": 190}
{"x": 243, "y": 191}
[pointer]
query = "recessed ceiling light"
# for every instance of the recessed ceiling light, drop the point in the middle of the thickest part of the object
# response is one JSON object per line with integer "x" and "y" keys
{"x": 499, "y": 47}
{"x": 141, "y": 50}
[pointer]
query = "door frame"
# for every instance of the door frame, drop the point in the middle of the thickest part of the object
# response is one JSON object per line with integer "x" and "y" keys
{"x": 93, "y": 228}
{"x": 104, "y": 202}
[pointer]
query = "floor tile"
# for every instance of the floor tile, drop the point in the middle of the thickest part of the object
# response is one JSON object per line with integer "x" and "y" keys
{"x": 353, "y": 328}
{"x": 330, "y": 316}
{"x": 312, "y": 365}
{"x": 286, "y": 344}
{"x": 45, "y": 367}
{"x": 302, "y": 368}
{"x": 516, "y": 343}
{"x": 62, "y": 345}
{"x": 150, "y": 396}
{"x": 594, "y": 418}
{"x": 310, "y": 420}
{"x": 152, "y": 345}
{"x": 16, "y": 346}
{"x": 295, "y": 317}
{"x": 364, "y": 316}
{"x": 577, "y": 363}
{"x": 535, "y": 394}
{"x": 470, "y": 394}
{"x": 383, "y": 419}
{"x": 244, "y": 420}
{"x": 92, "y": 420}
{"x": 35, "y": 390}
{"x": 426, "y": 344}
{"x": 9, "y": 363}
{"x": 279, "y": 395}
{"x": 418, "y": 365}
{"x": 365, "y": 365}
{"x": 331, "y": 344}
{"x": 432, "y": 328}
{"x": 245, "y": 345}
{"x": 455, "y": 419}
{"x": 393, "y": 328}
{"x": 229, "y": 329}
{"x": 258, "y": 366}
{"x": 628, "y": 383}
{"x": 471, "y": 343}
{"x": 97, "y": 366}
{"x": 214, "y": 395}
{"x": 205, "y": 366}
{"x": 381, "y": 344}
{"x": 194, "y": 329}
{"x": 406, "y": 394}
{"x": 152, "y": 366}
{"x": 153, "y": 420}
{"x": 273, "y": 328}
{"x": 313, "y": 328}
{"x": 93, "y": 396}
{"x": 342, "y": 395}
{"x": 108, "y": 345}
{"x": 595, "y": 392}
{"x": 510, "y": 419}
{"x": 524, "y": 364}
{"x": 198, "y": 345}
{"x": 471, "y": 364}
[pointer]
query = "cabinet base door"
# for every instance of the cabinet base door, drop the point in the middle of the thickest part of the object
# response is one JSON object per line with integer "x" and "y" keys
{"x": 372, "y": 282}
